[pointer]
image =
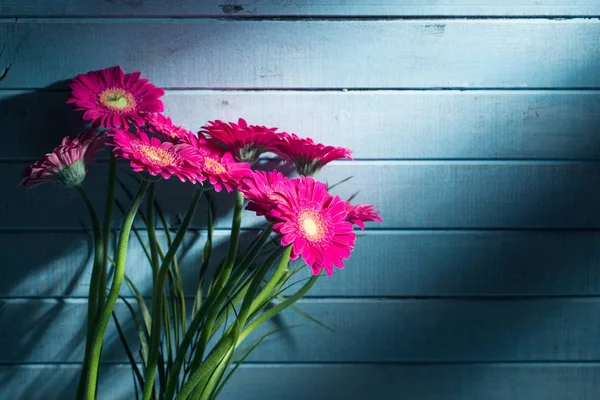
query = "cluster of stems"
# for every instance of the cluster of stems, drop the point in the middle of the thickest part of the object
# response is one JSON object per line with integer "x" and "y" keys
{"x": 191, "y": 368}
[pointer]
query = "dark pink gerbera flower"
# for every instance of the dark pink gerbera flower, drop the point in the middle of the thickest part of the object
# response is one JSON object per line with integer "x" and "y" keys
{"x": 111, "y": 99}
{"x": 65, "y": 165}
{"x": 261, "y": 189}
{"x": 162, "y": 125}
{"x": 245, "y": 142}
{"x": 217, "y": 165}
{"x": 308, "y": 156}
{"x": 314, "y": 223}
{"x": 360, "y": 213}
{"x": 155, "y": 157}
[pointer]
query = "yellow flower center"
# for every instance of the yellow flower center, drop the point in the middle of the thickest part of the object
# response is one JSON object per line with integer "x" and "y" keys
{"x": 312, "y": 225}
{"x": 117, "y": 99}
{"x": 213, "y": 166}
{"x": 156, "y": 155}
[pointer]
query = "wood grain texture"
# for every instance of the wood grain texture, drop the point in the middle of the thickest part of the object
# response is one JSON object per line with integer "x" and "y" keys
{"x": 424, "y": 309}
{"x": 386, "y": 263}
{"x": 310, "y": 8}
{"x": 409, "y": 194}
{"x": 419, "y": 330}
{"x": 375, "y": 124}
{"x": 308, "y": 54}
{"x": 334, "y": 381}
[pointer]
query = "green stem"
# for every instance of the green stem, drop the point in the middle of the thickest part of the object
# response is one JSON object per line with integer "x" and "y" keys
{"x": 104, "y": 318}
{"x": 151, "y": 224}
{"x": 220, "y": 351}
{"x": 180, "y": 295}
{"x": 98, "y": 261}
{"x": 207, "y": 252}
{"x": 222, "y": 279}
{"x": 269, "y": 287}
{"x": 155, "y": 252}
{"x": 207, "y": 386}
{"x": 212, "y": 299}
{"x": 261, "y": 299}
{"x": 94, "y": 282}
{"x": 205, "y": 389}
{"x": 242, "y": 289}
{"x": 271, "y": 312}
{"x": 157, "y": 297}
{"x": 106, "y": 227}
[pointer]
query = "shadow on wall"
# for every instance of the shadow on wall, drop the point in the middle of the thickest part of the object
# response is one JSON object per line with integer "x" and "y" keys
{"x": 39, "y": 119}
{"x": 41, "y": 246}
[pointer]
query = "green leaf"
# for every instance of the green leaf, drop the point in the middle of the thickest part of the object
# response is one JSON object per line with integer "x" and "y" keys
{"x": 354, "y": 195}
{"x": 207, "y": 251}
{"x": 308, "y": 316}
{"x": 141, "y": 302}
{"x": 136, "y": 370}
{"x": 142, "y": 332}
{"x": 137, "y": 391}
{"x": 339, "y": 183}
{"x": 271, "y": 312}
{"x": 245, "y": 352}
{"x": 179, "y": 298}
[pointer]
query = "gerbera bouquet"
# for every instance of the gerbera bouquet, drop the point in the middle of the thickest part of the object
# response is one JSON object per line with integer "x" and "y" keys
{"x": 186, "y": 350}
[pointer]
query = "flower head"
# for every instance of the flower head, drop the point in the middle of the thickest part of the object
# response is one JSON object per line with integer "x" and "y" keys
{"x": 65, "y": 165}
{"x": 308, "y": 156}
{"x": 111, "y": 99}
{"x": 246, "y": 142}
{"x": 155, "y": 157}
{"x": 314, "y": 223}
{"x": 360, "y": 213}
{"x": 162, "y": 125}
{"x": 217, "y": 165}
{"x": 262, "y": 188}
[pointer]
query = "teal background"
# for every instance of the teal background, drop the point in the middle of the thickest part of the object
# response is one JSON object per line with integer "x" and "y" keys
{"x": 475, "y": 129}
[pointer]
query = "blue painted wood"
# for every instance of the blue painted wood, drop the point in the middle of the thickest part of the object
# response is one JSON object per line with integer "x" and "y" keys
{"x": 547, "y": 346}
{"x": 248, "y": 8}
{"x": 414, "y": 194}
{"x": 334, "y": 381}
{"x": 366, "y": 330}
{"x": 385, "y": 263}
{"x": 308, "y": 54}
{"x": 375, "y": 124}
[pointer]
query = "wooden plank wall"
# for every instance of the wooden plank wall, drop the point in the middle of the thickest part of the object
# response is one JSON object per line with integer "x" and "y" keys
{"x": 475, "y": 127}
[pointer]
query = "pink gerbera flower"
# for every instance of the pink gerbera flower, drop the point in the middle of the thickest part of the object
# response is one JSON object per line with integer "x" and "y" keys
{"x": 65, "y": 165}
{"x": 308, "y": 156}
{"x": 314, "y": 223}
{"x": 217, "y": 165}
{"x": 261, "y": 189}
{"x": 360, "y": 213}
{"x": 111, "y": 99}
{"x": 155, "y": 157}
{"x": 246, "y": 142}
{"x": 162, "y": 125}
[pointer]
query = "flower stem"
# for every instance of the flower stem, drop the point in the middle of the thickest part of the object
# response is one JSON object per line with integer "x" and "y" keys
{"x": 98, "y": 260}
{"x": 151, "y": 225}
{"x": 107, "y": 224}
{"x": 157, "y": 296}
{"x": 224, "y": 346}
{"x": 212, "y": 299}
{"x": 261, "y": 299}
{"x": 222, "y": 279}
{"x": 271, "y": 312}
{"x": 104, "y": 317}
{"x": 93, "y": 299}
